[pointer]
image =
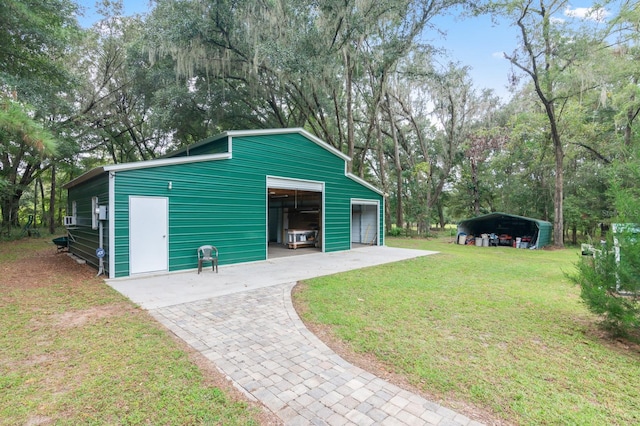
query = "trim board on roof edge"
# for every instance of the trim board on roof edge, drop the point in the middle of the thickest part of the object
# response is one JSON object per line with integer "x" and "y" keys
{"x": 144, "y": 165}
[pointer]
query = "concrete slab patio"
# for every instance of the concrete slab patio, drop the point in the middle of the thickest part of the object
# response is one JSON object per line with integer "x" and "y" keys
{"x": 243, "y": 320}
{"x": 156, "y": 291}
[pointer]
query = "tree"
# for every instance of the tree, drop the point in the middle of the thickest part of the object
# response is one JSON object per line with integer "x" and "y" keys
{"x": 456, "y": 110}
{"x": 623, "y": 65}
{"x": 34, "y": 37}
{"x": 551, "y": 53}
{"x": 610, "y": 282}
{"x": 487, "y": 137}
{"x": 24, "y": 143}
{"x": 297, "y": 62}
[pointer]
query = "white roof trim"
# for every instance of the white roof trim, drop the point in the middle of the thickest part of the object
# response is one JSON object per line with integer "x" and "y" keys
{"x": 280, "y": 182}
{"x": 267, "y": 132}
{"x": 145, "y": 165}
{"x": 364, "y": 183}
{"x": 166, "y": 162}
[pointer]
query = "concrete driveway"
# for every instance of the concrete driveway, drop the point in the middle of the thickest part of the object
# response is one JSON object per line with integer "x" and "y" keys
{"x": 157, "y": 291}
{"x": 243, "y": 321}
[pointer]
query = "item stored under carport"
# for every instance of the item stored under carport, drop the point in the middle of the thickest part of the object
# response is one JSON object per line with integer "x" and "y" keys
{"x": 510, "y": 230}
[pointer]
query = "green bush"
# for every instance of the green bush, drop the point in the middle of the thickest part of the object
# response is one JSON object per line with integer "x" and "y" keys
{"x": 395, "y": 232}
{"x": 610, "y": 283}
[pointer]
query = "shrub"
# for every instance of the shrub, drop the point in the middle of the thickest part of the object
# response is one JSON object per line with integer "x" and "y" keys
{"x": 610, "y": 283}
{"x": 395, "y": 232}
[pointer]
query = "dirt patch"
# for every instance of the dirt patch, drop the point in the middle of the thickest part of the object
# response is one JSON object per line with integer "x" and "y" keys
{"x": 39, "y": 421}
{"x": 36, "y": 271}
{"x": 47, "y": 268}
{"x": 71, "y": 319}
{"x": 605, "y": 337}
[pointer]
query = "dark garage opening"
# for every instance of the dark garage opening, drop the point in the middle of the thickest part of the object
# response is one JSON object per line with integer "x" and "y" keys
{"x": 295, "y": 222}
{"x": 502, "y": 229}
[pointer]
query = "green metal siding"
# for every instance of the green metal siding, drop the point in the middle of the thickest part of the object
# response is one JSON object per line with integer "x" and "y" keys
{"x": 208, "y": 204}
{"x": 294, "y": 156}
{"x": 85, "y": 240}
{"x": 545, "y": 232}
{"x": 224, "y": 202}
{"x": 221, "y": 202}
{"x": 213, "y": 146}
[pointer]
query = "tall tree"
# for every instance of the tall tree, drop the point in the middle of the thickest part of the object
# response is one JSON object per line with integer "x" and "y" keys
{"x": 24, "y": 143}
{"x": 297, "y": 62}
{"x": 623, "y": 65}
{"x": 456, "y": 110}
{"x": 551, "y": 53}
{"x": 34, "y": 38}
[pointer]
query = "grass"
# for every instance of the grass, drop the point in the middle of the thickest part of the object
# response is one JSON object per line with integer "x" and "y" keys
{"x": 498, "y": 329}
{"x": 73, "y": 351}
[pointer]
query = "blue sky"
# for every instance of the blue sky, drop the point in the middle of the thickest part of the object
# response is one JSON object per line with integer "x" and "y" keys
{"x": 476, "y": 42}
{"x": 131, "y": 7}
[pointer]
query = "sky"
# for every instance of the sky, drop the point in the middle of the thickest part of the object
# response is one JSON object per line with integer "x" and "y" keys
{"x": 478, "y": 43}
{"x": 474, "y": 42}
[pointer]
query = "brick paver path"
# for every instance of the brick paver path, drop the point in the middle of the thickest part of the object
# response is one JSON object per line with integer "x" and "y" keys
{"x": 257, "y": 340}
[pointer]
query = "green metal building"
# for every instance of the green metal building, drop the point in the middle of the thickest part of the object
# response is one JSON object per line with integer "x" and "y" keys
{"x": 239, "y": 191}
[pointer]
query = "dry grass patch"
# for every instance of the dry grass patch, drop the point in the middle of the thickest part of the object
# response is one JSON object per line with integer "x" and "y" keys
{"x": 74, "y": 351}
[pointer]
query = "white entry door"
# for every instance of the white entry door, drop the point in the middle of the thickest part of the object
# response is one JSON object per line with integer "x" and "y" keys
{"x": 148, "y": 234}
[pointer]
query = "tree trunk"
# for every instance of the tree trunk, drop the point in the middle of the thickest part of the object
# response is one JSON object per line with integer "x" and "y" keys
{"x": 348, "y": 89}
{"x": 383, "y": 178}
{"x": 10, "y": 210}
{"x": 35, "y": 203}
{"x": 558, "y": 202}
{"x": 474, "y": 189}
{"x": 43, "y": 213}
{"x": 398, "y": 164}
{"x": 632, "y": 113}
{"x": 52, "y": 201}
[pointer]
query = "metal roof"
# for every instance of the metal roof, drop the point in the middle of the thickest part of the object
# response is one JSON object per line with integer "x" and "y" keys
{"x": 497, "y": 215}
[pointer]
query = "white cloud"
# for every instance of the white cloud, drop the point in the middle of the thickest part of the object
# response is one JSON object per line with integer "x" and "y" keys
{"x": 555, "y": 20}
{"x": 598, "y": 14}
{"x": 498, "y": 55}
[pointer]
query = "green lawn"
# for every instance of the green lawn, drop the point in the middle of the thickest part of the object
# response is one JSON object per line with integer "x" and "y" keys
{"x": 498, "y": 329}
{"x": 73, "y": 351}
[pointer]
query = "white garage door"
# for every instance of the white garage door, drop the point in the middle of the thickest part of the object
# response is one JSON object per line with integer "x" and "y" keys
{"x": 364, "y": 223}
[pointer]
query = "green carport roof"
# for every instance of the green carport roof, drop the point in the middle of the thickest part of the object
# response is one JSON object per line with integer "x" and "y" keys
{"x": 499, "y": 215}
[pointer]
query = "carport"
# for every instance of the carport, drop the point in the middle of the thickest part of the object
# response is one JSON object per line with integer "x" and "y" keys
{"x": 505, "y": 229}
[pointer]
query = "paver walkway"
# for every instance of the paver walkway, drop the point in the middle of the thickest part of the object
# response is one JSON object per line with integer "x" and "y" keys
{"x": 242, "y": 319}
{"x": 256, "y": 338}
